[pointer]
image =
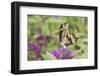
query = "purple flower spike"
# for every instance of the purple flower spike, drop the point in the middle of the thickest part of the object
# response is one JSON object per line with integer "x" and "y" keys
{"x": 41, "y": 37}
{"x": 70, "y": 54}
{"x": 36, "y": 48}
{"x": 56, "y": 53}
{"x": 63, "y": 53}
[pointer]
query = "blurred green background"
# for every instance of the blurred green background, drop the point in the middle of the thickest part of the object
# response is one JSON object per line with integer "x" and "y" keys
{"x": 49, "y": 26}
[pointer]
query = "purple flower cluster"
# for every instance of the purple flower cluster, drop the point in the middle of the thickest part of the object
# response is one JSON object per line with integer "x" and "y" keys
{"x": 42, "y": 40}
{"x": 41, "y": 37}
{"x": 36, "y": 48}
{"x": 63, "y": 53}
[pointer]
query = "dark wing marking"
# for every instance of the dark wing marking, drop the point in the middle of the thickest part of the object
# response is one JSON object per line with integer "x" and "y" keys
{"x": 60, "y": 32}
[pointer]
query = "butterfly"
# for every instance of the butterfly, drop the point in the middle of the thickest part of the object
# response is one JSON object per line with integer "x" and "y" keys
{"x": 66, "y": 36}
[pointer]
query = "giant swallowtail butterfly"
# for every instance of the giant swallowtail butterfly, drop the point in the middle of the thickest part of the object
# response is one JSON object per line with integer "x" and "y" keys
{"x": 66, "y": 36}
